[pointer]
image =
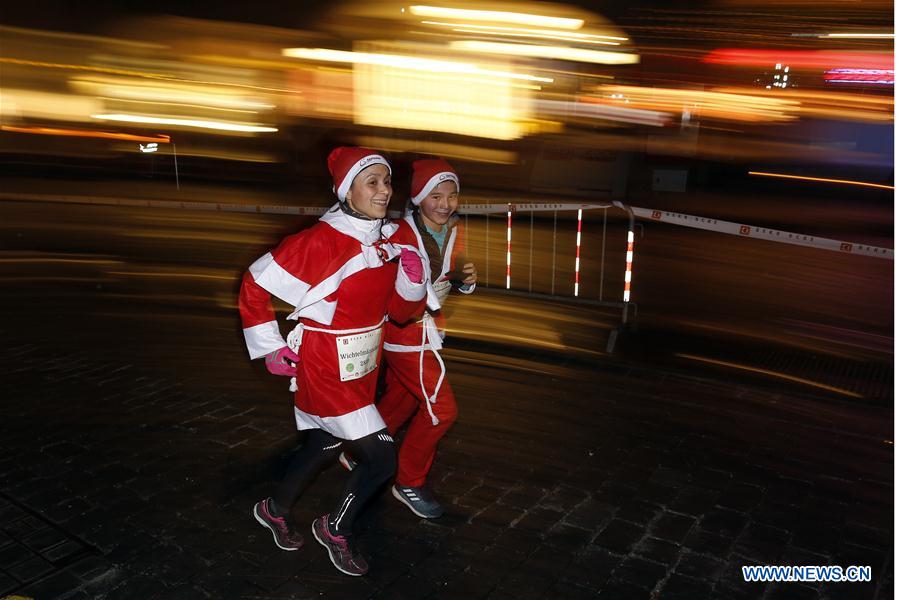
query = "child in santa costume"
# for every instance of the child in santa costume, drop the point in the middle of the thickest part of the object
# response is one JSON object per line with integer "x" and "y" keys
{"x": 415, "y": 384}
{"x": 345, "y": 277}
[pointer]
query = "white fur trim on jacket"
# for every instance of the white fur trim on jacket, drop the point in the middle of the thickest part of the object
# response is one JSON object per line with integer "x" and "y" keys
{"x": 263, "y": 338}
{"x": 351, "y": 426}
{"x": 432, "y": 183}
{"x": 276, "y": 280}
{"x": 363, "y": 163}
{"x": 410, "y": 290}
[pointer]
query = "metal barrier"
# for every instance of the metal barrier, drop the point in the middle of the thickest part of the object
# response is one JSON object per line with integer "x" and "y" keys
{"x": 543, "y": 234}
{"x": 609, "y": 247}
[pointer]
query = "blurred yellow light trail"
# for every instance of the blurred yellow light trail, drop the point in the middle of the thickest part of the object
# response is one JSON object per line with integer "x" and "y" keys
{"x": 496, "y": 16}
{"x": 715, "y": 104}
{"x": 540, "y": 51}
{"x": 403, "y": 62}
{"x": 216, "y": 125}
{"x": 587, "y": 38}
{"x": 772, "y": 373}
{"x": 142, "y": 74}
{"x": 550, "y": 36}
{"x": 859, "y": 35}
{"x": 161, "y": 139}
{"x": 822, "y": 179}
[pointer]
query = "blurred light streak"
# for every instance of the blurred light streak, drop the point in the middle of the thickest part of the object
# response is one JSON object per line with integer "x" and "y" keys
{"x": 821, "y": 179}
{"x": 858, "y": 35}
{"x": 460, "y": 151}
{"x": 713, "y": 104}
{"x": 404, "y": 62}
{"x": 555, "y": 52}
{"x": 194, "y": 123}
{"x": 743, "y": 104}
{"x": 180, "y": 105}
{"x": 387, "y": 98}
{"x": 494, "y": 16}
{"x": 860, "y": 76}
{"x": 585, "y": 38}
{"x": 162, "y": 139}
{"x": 233, "y": 154}
{"x": 473, "y": 102}
{"x": 723, "y": 363}
{"x": 143, "y": 91}
{"x": 19, "y": 103}
{"x": 589, "y": 108}
{"x": 132, "y": 73}
{"x": 833, "y": 105}
{"x": 551, "y": 36}
{"x": 811, "y": 59}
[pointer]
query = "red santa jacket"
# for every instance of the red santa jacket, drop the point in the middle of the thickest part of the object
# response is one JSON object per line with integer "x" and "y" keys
{"x": 343, "y": 282}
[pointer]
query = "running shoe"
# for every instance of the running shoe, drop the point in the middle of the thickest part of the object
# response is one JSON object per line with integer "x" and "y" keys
{"x": 341, "y": 549}
{"x": 285, "y": 536}
{"x": 419, "y": 500}
{"x": 346, "y": 462}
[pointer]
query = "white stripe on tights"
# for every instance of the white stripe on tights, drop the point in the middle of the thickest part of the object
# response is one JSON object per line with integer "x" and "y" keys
{"x": 343, "y": 511}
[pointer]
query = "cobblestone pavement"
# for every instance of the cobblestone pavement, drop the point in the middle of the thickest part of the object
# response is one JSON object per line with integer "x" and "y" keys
{"x": 118, "y": 480}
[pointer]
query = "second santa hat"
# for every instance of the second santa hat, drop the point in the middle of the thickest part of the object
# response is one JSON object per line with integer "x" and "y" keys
{"x": 345, "y": 163}
{"x": 427, "y": 174}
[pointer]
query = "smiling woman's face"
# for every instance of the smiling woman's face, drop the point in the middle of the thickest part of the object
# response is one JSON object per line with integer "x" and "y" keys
{"x": 439, "y": 205}
{"x": 371, "y": 191}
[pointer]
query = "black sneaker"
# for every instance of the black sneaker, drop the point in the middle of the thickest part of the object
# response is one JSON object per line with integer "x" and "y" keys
{"x": 285, "y": 537}
{"x": 420, "y": 500}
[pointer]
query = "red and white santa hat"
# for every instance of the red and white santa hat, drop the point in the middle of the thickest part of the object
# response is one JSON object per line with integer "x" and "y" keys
{"x": 346, "y": 162}
{"x": 427, "y": 174}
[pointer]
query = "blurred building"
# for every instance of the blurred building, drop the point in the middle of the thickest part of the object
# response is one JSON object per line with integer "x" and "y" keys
{"x": 530, "y": 96}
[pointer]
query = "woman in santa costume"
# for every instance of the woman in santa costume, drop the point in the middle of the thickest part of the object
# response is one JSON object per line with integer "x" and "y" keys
{"x": 344, "y": 282}
{"x": 415, "y": 384}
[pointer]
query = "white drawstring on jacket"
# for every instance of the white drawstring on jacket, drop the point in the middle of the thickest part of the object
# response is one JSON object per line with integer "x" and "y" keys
{"x": 428, "y": 328}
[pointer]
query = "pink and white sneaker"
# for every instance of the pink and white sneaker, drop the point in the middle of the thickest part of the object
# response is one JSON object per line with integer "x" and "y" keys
{"x": 341, "y": 550}
{"x": 285, "y": 536}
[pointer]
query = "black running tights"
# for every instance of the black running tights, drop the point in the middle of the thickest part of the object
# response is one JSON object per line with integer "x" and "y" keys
{"x": 376, "y": 460}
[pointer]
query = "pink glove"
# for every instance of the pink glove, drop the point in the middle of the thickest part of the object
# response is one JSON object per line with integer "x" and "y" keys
{"x": 411, "y": 264}
{"x": 282, "y": 362}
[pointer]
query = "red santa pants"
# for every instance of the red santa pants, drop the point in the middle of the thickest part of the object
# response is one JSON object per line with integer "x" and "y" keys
{"x": 403, "y": 398}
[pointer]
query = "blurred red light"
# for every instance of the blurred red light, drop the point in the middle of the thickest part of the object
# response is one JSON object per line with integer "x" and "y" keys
{"x": 801, "y": 59}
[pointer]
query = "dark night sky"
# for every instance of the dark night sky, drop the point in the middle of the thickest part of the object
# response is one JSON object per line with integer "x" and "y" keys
{"x": 92, "y": 16}
{"x": 647, "y": 22}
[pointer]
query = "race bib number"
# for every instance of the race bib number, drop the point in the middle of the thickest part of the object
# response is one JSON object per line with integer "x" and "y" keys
{"x": 357, "y": 354}
{"x": 442, "y": 289}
